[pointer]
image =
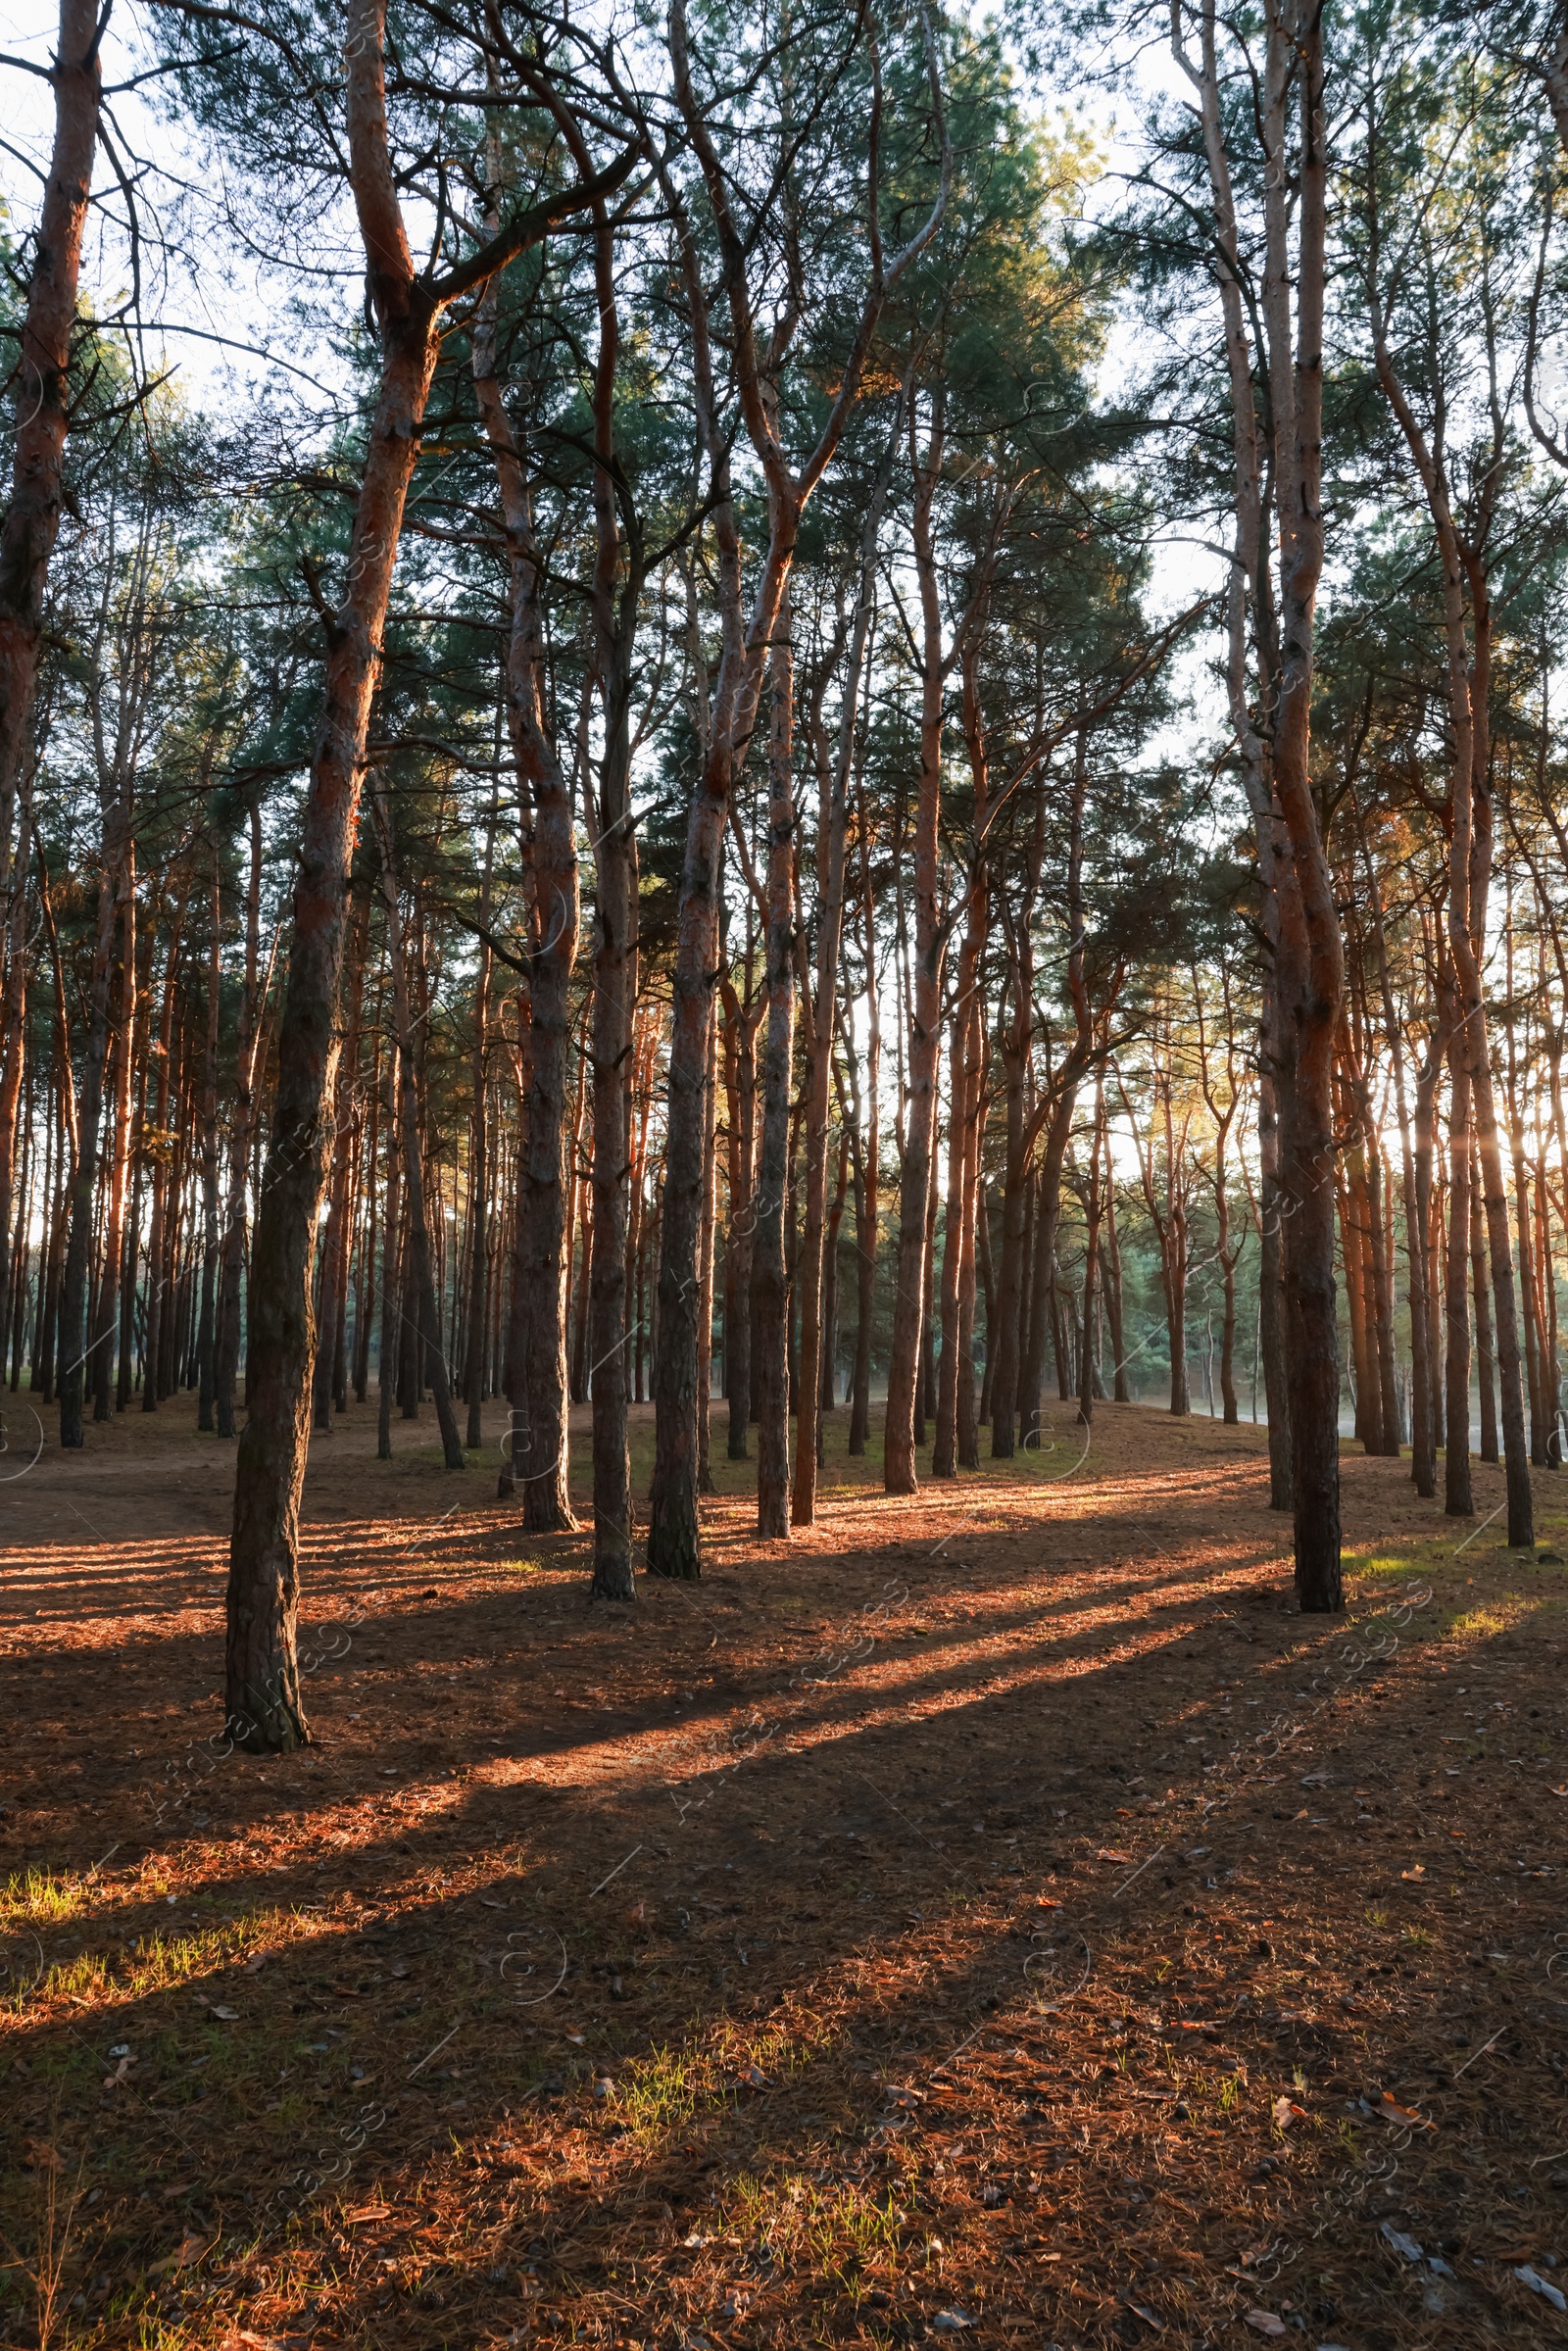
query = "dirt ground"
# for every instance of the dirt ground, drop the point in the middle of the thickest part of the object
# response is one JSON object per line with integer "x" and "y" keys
{"x": 993, "y": 1916}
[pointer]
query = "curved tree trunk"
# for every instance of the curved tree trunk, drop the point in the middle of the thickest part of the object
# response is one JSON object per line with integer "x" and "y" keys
{"x": 266, "y": 1711}
{"x": 263, "y": 1702}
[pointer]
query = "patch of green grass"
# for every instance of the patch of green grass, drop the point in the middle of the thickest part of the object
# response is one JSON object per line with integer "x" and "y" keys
{"x": 839, "y": 2231}
{"x": 39, "y": 1898}
{"x": 1483, "y": 1622}
{"x": 671, "y": 2088}
{"x": 662, "y": 2092}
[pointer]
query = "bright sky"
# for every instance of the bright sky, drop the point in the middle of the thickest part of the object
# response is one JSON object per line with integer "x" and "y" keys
{"x": 213, "y": 323}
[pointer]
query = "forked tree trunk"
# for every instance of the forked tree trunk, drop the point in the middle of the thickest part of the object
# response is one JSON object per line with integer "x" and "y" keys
{"x": 673, "y": 1536}
{"x": 265, "y": 1707}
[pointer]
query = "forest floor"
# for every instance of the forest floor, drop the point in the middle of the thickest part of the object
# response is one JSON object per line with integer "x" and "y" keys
{"x": 993, "y": 1916}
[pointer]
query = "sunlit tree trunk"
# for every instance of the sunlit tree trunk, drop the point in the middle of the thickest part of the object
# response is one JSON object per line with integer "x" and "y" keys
{"x": 264, "y": 1702}
{"x": 925, "y": 1005}
{"x": 32, "y": 522}
{"x": 1458, "y": 1499}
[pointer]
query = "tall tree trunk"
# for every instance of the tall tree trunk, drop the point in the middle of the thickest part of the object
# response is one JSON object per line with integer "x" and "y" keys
{"x": 389, "y": 1350}
{"x": 909, "y": 1305}
{"x": 1464, "y": 569}
{"x": 122, "y": 1071}
{"x": 1007, "y": 1340}
{"x": 480, "y": 1170}
{"x": 13, "y": 1005}
{"x": 31, "y": 525}
{"x": 1120, "y": 1393}
{"x": 75, "y": 1284}
{"x": 739, "y": 1030}
{"x": 1424, "y": 1469}
{"x": 617, "y": 591}
{"x": 541, "y": 1263}
{"x": 1458, "y": 1499}
{"x": 265, "y": 1707}
{"x": 1353, "y": 1254}
{"x": 1092, "y": 1214}
{"x": 769, "y": 1277}
{"x": 1311, "y": 963}
{"x": 242, "y": 1120}
{"x": 206, "y": 1337}
{"x": 833, "y": 775}
{"x": 1485, "y": 1362}
{"x": 864, "y": 1144}
{"x": 945, "y": 1439}
{"x": 705, "y": 1319}
{"x": 827, "y": 1387}
{"x": 1416, "y": 1202}
{"x": 334, "y": 1239}
{"x": 673, "y": 1534}
{"x": 971, "y": 1212}
{"x": 425, "y": 1320}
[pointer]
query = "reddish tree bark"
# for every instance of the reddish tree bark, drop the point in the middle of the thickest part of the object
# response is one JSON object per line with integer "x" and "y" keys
{"x": 262, "y": 1694}
{"x": 32, "y": 519}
